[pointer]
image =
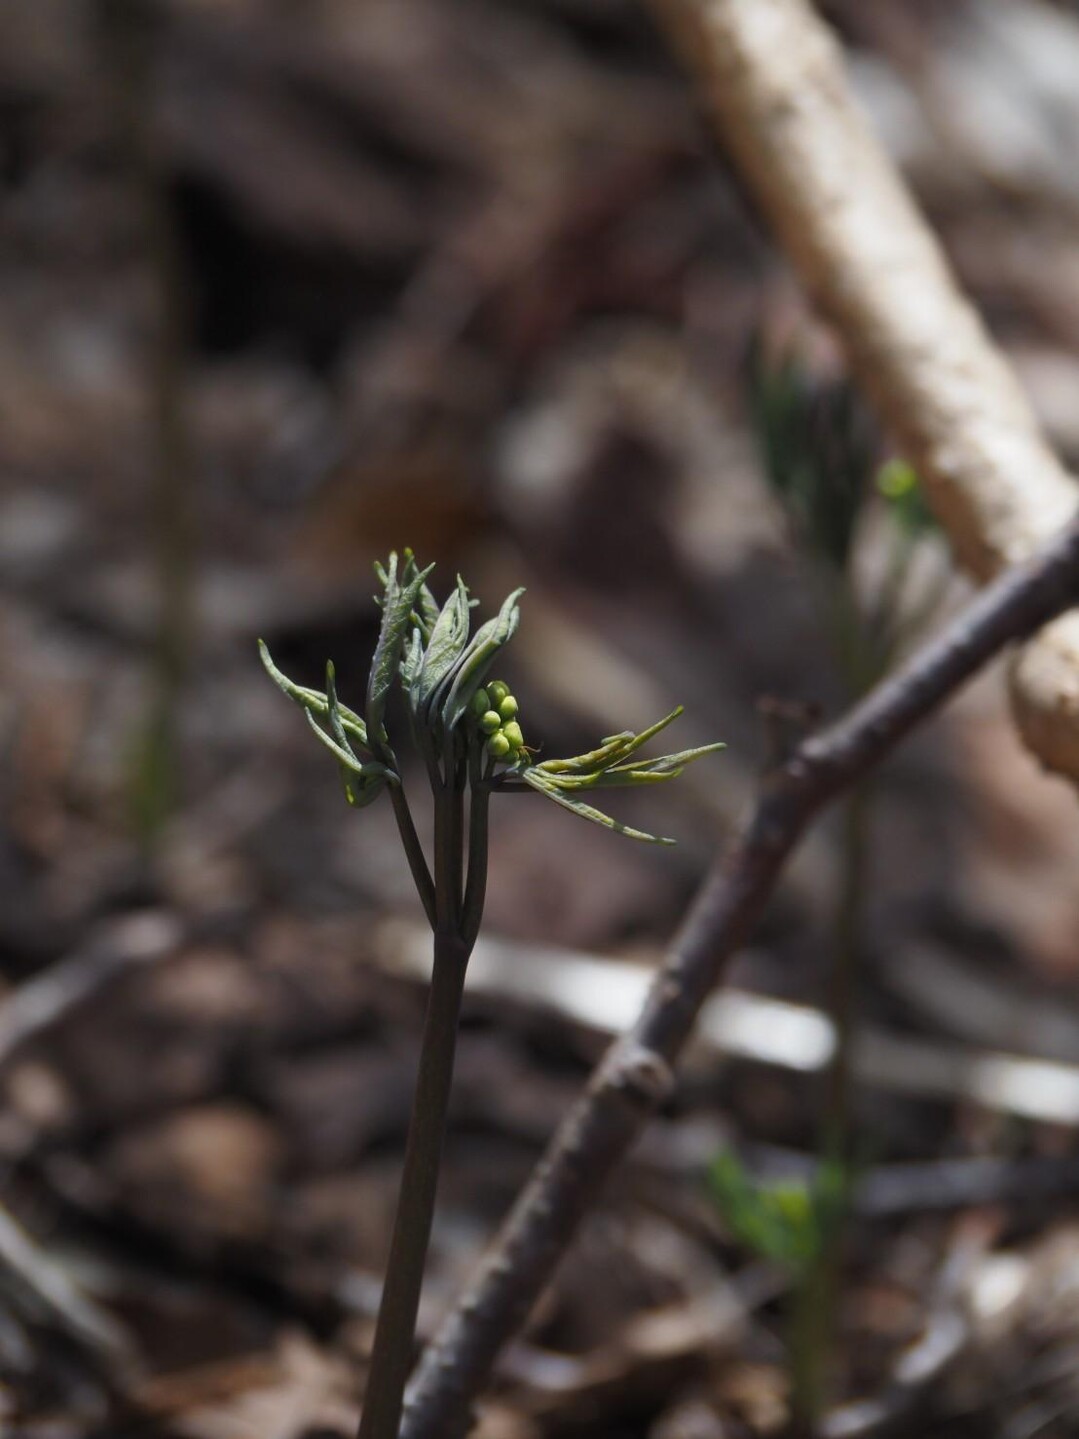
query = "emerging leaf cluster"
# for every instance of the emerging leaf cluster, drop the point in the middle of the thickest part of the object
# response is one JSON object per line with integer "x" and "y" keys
{"x": 441, "y": 669}
{"x": 897, "y": 481}
{"x": 791, "y": 1221}
{"x": 610, "y": 766}
{"x": 818, "y": 451}
{"x": 341, "y": 730}
{"x": 819, "y": 455}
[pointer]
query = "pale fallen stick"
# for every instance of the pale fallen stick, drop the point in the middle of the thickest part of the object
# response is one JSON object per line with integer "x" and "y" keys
{"x": 772, "y": 78}
{"x": 606, "y": 995}
{"x": 39, "y": 1285}
{"x": 36, "y": 1281}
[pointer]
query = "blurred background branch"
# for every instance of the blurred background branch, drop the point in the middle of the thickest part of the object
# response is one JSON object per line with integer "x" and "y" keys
{"x": 773, "y": 80}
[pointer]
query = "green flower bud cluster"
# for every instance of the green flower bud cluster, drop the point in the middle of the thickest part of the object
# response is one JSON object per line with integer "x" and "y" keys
{"x": 494, "y": 710}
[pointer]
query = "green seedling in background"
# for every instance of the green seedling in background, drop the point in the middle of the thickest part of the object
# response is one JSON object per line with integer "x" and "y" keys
{"x": 468, "y": 731}
{"x": 897, "y": 481}
{"x": 817, "y": 451}
{"x": 795, "y": 1224}
{"x": 818, "y": 454}
{"x": 789, "y": 1221}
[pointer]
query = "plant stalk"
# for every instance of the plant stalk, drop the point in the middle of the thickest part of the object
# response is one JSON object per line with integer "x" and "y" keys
{"x": 391, "y": 1359}
{"x": 476, "y": 885}
{"x": 454, "y": 936}
{"x": 410, "y": 841}
{"x": 809, "y": 1345}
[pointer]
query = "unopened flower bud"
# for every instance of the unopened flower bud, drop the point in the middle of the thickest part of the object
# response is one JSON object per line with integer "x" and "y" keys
{"x": 497, "y": 691}
{"x": 490, "y": 722}
{"x": 498, "y": 746}
{"x": 481, "y": 703}
{"x": 512, "y": 731}
{"x": 507, "y": 707}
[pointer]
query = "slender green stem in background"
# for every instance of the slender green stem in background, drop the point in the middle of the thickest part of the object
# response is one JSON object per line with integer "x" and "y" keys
{"x": 814, "y": 1301}
{"x": 391, "y": 1359}
{"x": 843, "y": 981}
{"x": 128, "y": 28}
{"x": 809, "y": 1342}
{"x": 815, "y": 1296}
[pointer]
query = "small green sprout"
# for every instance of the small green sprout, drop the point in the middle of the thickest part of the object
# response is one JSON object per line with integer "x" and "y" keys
{"x": 817, "y": 448}
{"x": 897, "y": 481}
{"x": 469, "y": 734}
{"x": 789, "y": 1221}
{"x": 794, "y": 1223}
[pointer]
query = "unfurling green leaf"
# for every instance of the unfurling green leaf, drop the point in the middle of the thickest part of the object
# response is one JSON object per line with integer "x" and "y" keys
{"x": 411, "y": 664}
{"x": 471, "y": 668}
{"x": 446, "y": 644}
{"x": 592, "y": 762}
{"x": 667, "y": 766}
{"x": 543, "y": 784}
{"x": 314, "y": 701}
{"x": 398, "y": 603}
{"x": 369, "y": 771}
{"x": 426, "y": 612}
{"x": 789, "y": 1221}
{"x": 589, "y": 767}
{"x": 605, "y": 768}
{"x": 817, "y": 446}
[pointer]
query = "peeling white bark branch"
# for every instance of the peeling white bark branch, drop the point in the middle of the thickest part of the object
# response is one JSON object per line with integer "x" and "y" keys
{"x": 772, "y": 77}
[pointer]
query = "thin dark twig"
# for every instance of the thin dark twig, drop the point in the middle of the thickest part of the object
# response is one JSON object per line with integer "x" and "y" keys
{"x": 636, "y": 1073}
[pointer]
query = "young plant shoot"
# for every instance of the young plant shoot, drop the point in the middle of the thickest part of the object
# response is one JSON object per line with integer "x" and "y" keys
{"x": 818, "y": 454}
{"x": 470, "y": 735}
